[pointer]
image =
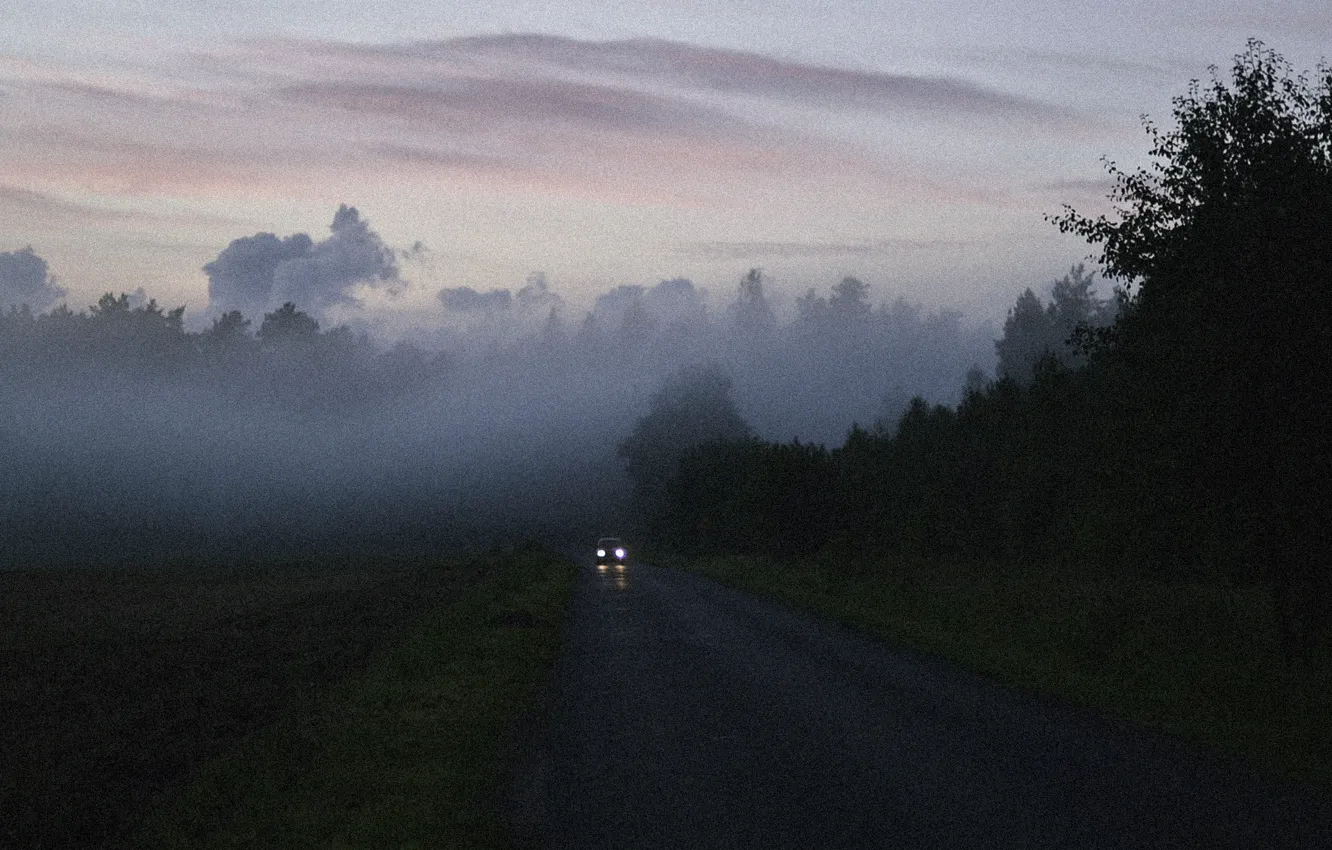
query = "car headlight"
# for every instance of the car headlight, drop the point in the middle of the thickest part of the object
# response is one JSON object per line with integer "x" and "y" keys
{"x": 619, "y": 553}
{"x": 601, "y": 553}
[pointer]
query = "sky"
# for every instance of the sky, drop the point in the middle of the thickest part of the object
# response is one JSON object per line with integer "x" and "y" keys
{"x": 917, "y": 146}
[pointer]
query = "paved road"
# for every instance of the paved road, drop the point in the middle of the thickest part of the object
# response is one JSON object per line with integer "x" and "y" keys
{"x": 687, "y": 715}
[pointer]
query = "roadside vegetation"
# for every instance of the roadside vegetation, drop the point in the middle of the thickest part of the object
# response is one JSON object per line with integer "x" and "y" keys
{"x": 362, "y": 702}
{"x": 1134, "y": 511}
{"x": 1196, "y": 659}
{"x": 410, "y": 753}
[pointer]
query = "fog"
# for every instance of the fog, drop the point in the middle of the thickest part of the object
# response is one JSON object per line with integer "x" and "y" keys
{"x": 127, "y": 437}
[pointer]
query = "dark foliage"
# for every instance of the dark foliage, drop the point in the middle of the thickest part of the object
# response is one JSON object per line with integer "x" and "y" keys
{"x": 1230, "y": 236}
{"x": 1034, "y": 331}
{"x": 116, "y": 686}
{"x": 753, "y": 497}
{"x": 693, "y": 407}
{"x": 1193, "y": 439}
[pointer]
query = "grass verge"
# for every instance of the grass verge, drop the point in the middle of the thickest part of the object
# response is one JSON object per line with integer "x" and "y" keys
{"x": 408, "y": 754}
{"x": 1199, "y": 661}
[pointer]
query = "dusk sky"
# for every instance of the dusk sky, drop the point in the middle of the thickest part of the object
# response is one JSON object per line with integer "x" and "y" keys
{"x": 917, "y": 146}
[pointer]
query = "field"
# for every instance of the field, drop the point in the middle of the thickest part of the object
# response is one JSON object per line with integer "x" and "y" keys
{"x": 119, "y": 690}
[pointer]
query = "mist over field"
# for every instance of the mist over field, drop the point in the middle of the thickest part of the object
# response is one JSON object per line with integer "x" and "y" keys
{"x": 275, "y": 431}
{"x": 1116, "y": 497}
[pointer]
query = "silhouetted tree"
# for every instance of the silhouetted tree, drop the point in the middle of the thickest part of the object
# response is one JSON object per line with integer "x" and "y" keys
{"x": 228, "y": 336}
{"x": 847, "y": 305}
{"x": 694, "y": 406}
{"x": 636, "y": 324}
{"x": 748, "y": 496}
{"x": 811, "y": 308}
{"x": 850, "y": 299}
{"x": 1026, "y": 338}
{"x": 554, "y": 333}
{"x": 287, "y": 326}
{"x": 750, "y": 312}
{"x": 1228, "y": 239}
{"x": 1033, "y": 331}
{"x": 136, "y": 336}
{"x": 1073, "y": 302}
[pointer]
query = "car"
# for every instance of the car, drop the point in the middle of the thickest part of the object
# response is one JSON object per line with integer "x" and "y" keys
{"x": 611, "y": 552}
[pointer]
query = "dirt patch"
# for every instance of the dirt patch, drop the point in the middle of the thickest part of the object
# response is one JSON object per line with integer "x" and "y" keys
{"x": 114, "y": 686}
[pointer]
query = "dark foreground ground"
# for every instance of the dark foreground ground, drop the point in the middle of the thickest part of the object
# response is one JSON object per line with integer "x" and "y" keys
{"x": 115, "y": 685}
{"x": 686, "y": 714}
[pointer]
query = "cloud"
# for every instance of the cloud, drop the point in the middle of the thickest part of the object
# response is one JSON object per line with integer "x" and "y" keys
{"x": 1100, "y": 186}
{"x": 561, "y": 138}
{"x": 471, "y": 104}
{"x": 634, "y": 121}
{"x": 536, "y": 295}
{"x": 422, "y": 156}
{"x": 465, "y": 299}
{"x": 742, "y": 72}
{"x": 1088, "y": 195}
{"x": 500, "y": 316}
{"x": 353, "y": 254}
{"x": 40, "y": 206}
{"x": 1083, "y": 64}
{"x": 241, "y": 278}
{"x": 25, "y": 279}
{"x": 257, "y": 273}
{"x": 749, "y": 250}
{"x": 41, "y": 203}
{"x": 344, "y": 118}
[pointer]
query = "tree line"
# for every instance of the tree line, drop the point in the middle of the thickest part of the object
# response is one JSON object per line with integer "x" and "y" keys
{"x": 1180, "y": 431}
{"x": 288, "y": 358}
{"x": 128, "y": 436}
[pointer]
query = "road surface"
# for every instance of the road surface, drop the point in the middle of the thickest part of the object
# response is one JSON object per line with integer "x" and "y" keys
{"x": 684, "y": 714}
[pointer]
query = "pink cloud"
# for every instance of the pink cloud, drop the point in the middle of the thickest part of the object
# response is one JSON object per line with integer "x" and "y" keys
{"x": 735, "y": 71}
{"x": 765, "y": 249}
{"x": 636, "y": 121}
{"x": 28, "y": 206}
